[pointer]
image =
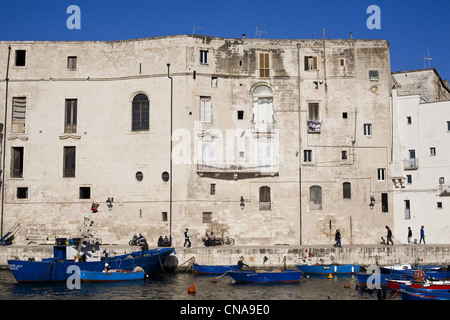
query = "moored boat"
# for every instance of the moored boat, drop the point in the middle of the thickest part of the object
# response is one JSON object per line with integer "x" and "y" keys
{"x": 111, "y": 275}
{"x": 409, "y": 293}
{"x": 428, "y": 284}
{"x": 214, "y": 269}
{"x": 285, "y": 276}
{"x": 329, "y": 268}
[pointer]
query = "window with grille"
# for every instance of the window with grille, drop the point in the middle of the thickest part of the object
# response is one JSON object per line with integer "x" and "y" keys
{"x": 71, "y": 116}
{"x": 264, "y": 67}
{"x": 373, "y": 75}
{"x": 140, "y": 113}
{"x": 19, "y": 106}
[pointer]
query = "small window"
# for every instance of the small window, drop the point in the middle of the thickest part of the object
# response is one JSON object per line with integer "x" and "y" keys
{"x": 408, "y": 120}
{"x": 432, "y": 151}
{"x": 22, "y": 193}
{"x": 139, "y": 176}
{"x": 212, "y": 189}
{"x": 373, "y": 75}
{"x": 307, "y": 155}
{"x": 240, "y": 115}
{"x": 313, "y": 111}
{"x": 344, "y": 115}
{"x": 439, "y": 205}
{"x": 71, "y": 116}
{"x": 381, "y": 174}
{"x": 205, "y": 109}
{"x": 367, "y": 129}
{"x": 17, "y": 162}
{"x": 264, "y": 68}
{"x": 21, "y": 58}
{"x": 207, "y": 217}
{"x": 407, "y": 209}
{"x": 448, "y": 125}
{"x": 409, "y": 179}
{"x": 347, "y": 190}
{"x": 69, "y": 162}
{"x": 72, "y": 63}
{"x": 310, "y": 63}
{"x": 344, "y": 154}
{"x": 264, "y": 198}
{"x": 163, "y": 216}
{"x": 85, "y": 192}
{"x": 214, "y": 81}
{"x": 342, "y": 62}
{"x": 204, "y": 56}
{"x": 384, "y": 202}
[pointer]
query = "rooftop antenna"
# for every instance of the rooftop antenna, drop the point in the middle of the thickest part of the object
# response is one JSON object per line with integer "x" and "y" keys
{"x": 195, "y": 28}
{"x": 427, "y": 59}
{"x": 258, "y": 31}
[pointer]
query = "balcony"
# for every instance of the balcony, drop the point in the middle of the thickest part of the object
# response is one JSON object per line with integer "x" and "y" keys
{"x": 445, "y": 190}
{"x": 411, "y": 164}
{"x": 314, "y": 126}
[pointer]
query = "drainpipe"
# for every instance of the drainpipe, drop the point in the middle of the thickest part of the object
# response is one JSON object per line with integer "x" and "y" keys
{"x": 170, "y": 170}
{"x": 4, "y": 139}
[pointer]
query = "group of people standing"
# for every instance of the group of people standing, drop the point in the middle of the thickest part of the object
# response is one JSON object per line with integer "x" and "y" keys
{"x": 389, "y": 237}
{"x": 208, "y": 239}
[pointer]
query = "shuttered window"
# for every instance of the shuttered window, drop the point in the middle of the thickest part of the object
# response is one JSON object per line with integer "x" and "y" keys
{"x": 71, "y": 116}
{"x": 264, "y": 68}
{"x": 205, "y": 109}
{"x": 72, "y": 63}
{"x": 69, "y": 162}
{"x": 19, "y": 106}
{"x": 311, "y": 63}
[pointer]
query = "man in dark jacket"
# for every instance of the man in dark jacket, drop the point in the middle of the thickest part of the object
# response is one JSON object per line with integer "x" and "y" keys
{"x": 337, "y": 238}
{"x": 389, "y": 236}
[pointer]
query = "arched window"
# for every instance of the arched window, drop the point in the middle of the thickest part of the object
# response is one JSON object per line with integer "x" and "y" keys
{"x": 347, "y": 190}
{"x": 263, "y": 108}
{"x": 140, "y": 113}
{"x": 264, "y": 198}
{"x": 315, "y": 198}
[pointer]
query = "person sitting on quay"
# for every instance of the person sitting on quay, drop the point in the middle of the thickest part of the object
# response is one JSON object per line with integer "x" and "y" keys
{"x": 160, "y": 241}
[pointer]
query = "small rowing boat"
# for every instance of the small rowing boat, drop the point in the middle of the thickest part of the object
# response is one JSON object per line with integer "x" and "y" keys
{"x": 266, "y": 276}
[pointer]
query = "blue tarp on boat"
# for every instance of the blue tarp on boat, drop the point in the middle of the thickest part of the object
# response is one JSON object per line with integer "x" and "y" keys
{"x": 330, "y": 268}
{"x": 267, "y": 276}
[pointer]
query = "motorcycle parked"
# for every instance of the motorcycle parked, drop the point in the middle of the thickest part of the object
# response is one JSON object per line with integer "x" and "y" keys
{"x": 139, "y": 241}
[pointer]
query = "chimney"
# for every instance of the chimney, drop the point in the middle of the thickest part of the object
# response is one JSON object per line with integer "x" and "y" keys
{"x": 243, "y": 36}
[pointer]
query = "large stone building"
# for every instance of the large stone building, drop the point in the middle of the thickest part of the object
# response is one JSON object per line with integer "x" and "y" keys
{"x": 421, "y": 167}
{"x": 274, "y": 141}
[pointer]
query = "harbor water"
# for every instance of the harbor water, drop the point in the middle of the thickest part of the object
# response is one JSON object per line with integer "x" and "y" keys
{"x": 175, "y": 286}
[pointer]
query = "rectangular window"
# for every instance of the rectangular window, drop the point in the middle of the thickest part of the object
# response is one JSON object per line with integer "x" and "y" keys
{"x": 163, "y": 216}
{"x": 342, "y": 62}
{"x": 205, "y": 109}
{"x": 264, "y": 68}
{"x": 384, "y": 202}
{"x": 71, "y": 116}
{"x": 214, "y": 81}
{"x": 17, "y": 162}
{"x": 72, "y": 63}
{"x": 212, "y": 189}
{"x": 21, "y": 58}
{"x": 381, "y": 174}
{"x": 22, "y": 193}
{"x": 432, "y": 151}
{"x": 19, "y": 107}
{"x": 367, "y": 129}
{"x": 448, "y": 125}
{"x": 307, "y": 155}
{"x": 439, "y": 205}
{"x": 69, "y": 162}
{"x": 407, "y": 209}
{"x": 207, "y": 217}
{"x": 313, "y": 111}
{"x": 344, "y": 154}
{"x": 344, "y": 115}
{"x": 373, "y": 75}
{"x": 240, "y": 115}
{"x": 310, "y": 63}
{"x": 409, "y": 179}
{"x": 204, "y": 56}
{"x": 347, "y": 190}
{"x": 85, "y": 192}
{"x": 408, "y": 120}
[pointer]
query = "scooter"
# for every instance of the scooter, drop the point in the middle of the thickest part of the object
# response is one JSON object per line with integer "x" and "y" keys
{"x": 139, "y": 241}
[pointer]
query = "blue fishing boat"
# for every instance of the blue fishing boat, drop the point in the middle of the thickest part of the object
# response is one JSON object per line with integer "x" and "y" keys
{"x": 285, "y": 276}
{"x": 89, "y": 258}
{"x": 329, "y": 268}
{"x": 111, "y": 276}
{"x": 409, "y": 293}
{"x": 423, "y": 272}
{"x": 212, "y": 269}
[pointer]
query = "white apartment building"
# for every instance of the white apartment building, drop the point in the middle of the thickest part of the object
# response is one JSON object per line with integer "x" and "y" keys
{"x": 421, "y": 165}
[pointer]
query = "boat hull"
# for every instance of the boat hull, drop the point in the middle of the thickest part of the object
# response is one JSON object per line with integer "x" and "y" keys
{"x": 54, "y": 270}
{"x": 287, "y": 276}
{"x": 99, "y": 277}
{"x": 327, "y": 269}
{"x": 211, "y": 269}
{"x": 431, "y": 285}
{"x": 423, "y": 294}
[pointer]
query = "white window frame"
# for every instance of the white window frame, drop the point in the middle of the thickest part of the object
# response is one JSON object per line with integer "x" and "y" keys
{"x": 381, "y": 174}
{"x": 205, "y": 110}
{"x": 204, "y": 56}
{"x": 367, "y": 129}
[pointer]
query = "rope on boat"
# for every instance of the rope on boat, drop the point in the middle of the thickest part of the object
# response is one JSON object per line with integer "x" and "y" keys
{"x": 160, "y": 263}
{"x": 51, "y": 263}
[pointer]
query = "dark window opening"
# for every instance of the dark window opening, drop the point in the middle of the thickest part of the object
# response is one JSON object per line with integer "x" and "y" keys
{"x": 22, "y": 193}
{"x": 240, "y": 114}
{"x": 20, "y": 58}
{"x": 71, "y": 116}
{"x": 212, "y": 190}
{"x": 347, "y": 190}
{"x": 69, "y": 162}
{"x": 384, "y": 202}
{"x": 17, "y": 162}
{"x": 72, "y": 63}
{"x": 140, "y": 113}
{"x": 85, "y": 192}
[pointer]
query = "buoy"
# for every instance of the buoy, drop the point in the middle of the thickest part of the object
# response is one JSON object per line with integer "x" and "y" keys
{"x": 192, "y": 289}
{"x": 214, "y": 280}
{"x": 347, "y": 285}
{"x": 330, "y": 276}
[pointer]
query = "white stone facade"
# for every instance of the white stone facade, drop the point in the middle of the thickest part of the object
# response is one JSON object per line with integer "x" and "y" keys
{"x": 300, "y": 130}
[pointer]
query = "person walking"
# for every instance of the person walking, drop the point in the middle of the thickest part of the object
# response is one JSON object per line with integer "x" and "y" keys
{"x": 389, "y": 236}
{"x": 186, "y": 238}
{"x": 337, "y": 238}
{"x": 409, "y": 235}
{"x": 422, "y": 235}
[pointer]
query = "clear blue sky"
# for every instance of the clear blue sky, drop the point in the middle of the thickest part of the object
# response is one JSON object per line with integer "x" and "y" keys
{"x": 411, "y": 27}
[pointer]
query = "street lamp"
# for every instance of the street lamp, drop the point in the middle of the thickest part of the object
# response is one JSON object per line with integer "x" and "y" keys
{"x": 109, "y": 203}
{"x": 242, "y": 203}
{"x": 372, "y": 202}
